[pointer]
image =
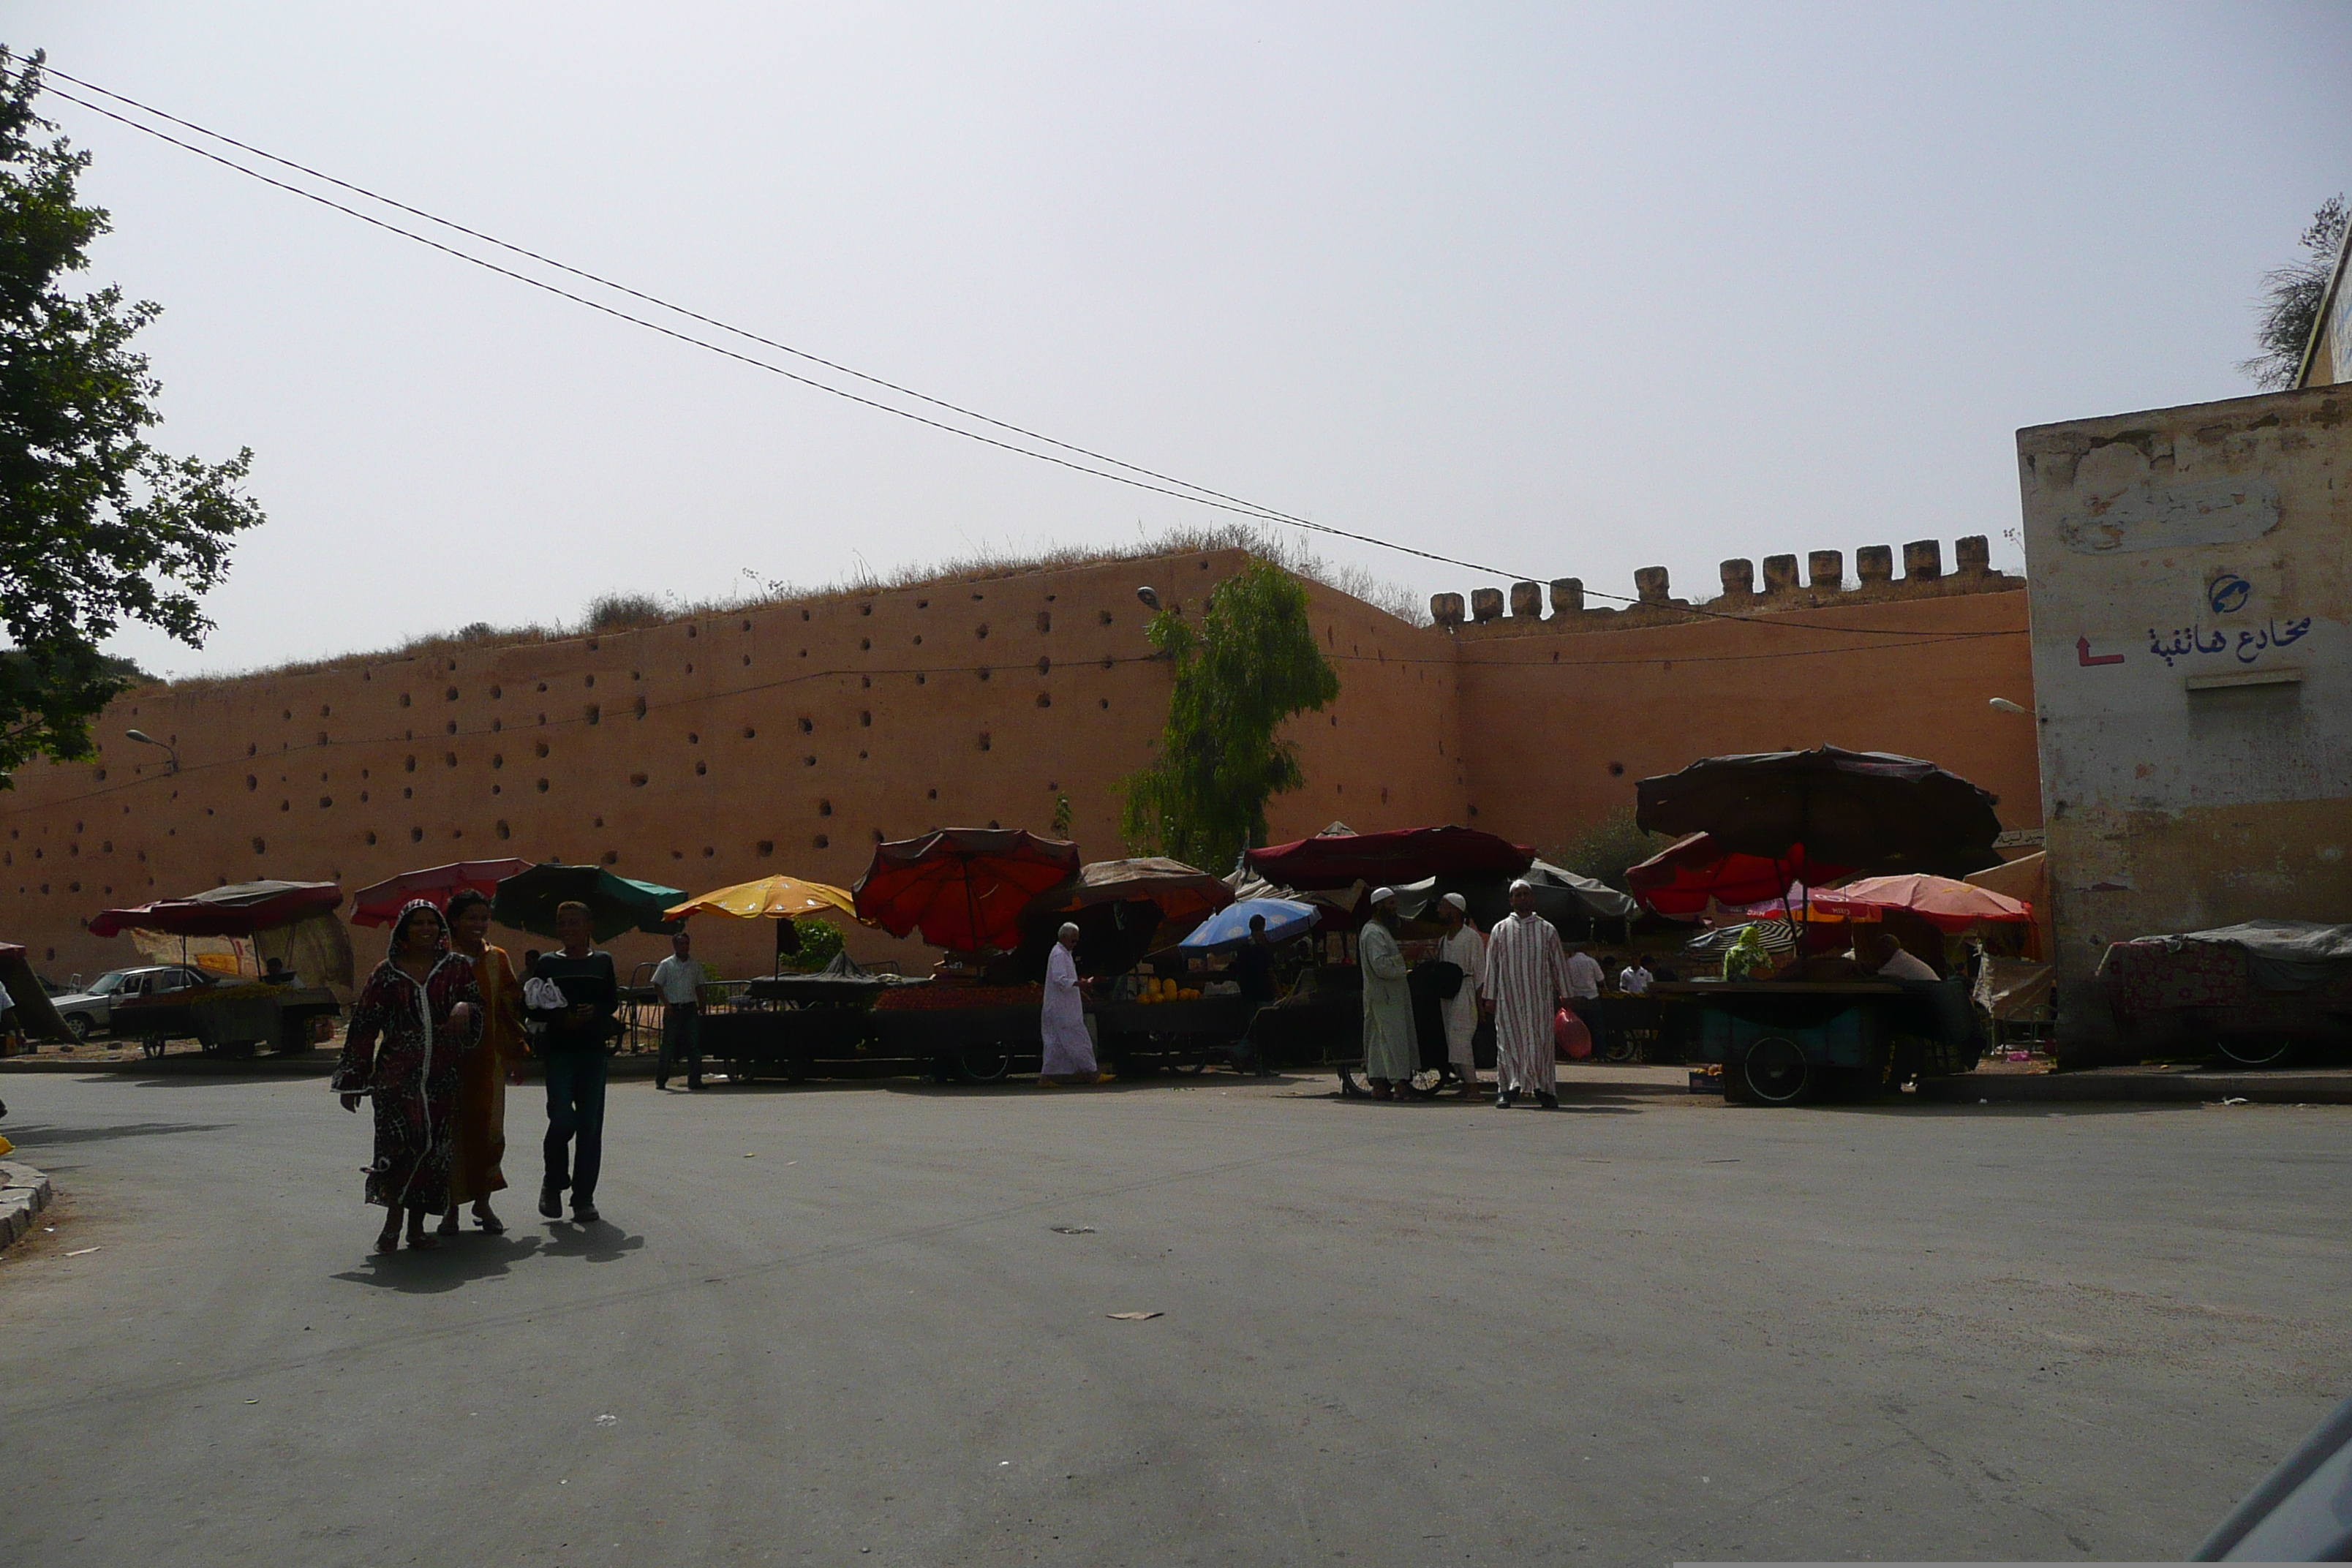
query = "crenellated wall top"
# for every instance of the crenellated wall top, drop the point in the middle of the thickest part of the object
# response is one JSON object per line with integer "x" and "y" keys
{"x": 1822, "y": 584}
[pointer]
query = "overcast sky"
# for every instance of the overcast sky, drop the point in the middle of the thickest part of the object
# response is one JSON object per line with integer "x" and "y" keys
{"x": 1566, "y": 290}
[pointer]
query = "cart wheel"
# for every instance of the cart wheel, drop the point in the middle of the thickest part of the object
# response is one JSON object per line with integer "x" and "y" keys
{"x": 1194, "y": 1068}
{"x": 741, "y": 1072}
{"x": 1775, "y": 1071}
{"x": 2255, "y": 1050}
{"x": 1618, "y": 1050}
{"x": 983, "y": 1064}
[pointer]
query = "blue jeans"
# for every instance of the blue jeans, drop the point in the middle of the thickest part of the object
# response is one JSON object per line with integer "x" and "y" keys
{"x": 575, "y": 1105}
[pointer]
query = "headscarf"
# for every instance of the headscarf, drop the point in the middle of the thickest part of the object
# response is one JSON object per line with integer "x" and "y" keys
{"x": 400, "y": 928}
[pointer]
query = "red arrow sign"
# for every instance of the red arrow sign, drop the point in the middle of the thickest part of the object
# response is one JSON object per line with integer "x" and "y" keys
{"x": 2083, "y": 654}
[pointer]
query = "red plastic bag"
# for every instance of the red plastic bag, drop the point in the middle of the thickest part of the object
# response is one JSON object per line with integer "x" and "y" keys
{"x": 1571, "y": 1041}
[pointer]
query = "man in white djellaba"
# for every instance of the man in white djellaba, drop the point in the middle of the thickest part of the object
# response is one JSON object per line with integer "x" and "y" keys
{"x": 1465, "y": 950}
{"x": 1062, "y": 1024}
{"x": 1526, "y": 983}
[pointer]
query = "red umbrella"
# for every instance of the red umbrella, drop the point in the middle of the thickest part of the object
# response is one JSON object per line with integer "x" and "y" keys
{"x": 964, "y": 886}
{"x": 381, "y": 904}
{"x": 241, "y": 908}
{"x": 1404, "y": 855}
{"x": 1679, "y": 880}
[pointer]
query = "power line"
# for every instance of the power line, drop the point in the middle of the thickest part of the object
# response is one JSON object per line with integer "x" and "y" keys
{"x": 1154, "y": 481}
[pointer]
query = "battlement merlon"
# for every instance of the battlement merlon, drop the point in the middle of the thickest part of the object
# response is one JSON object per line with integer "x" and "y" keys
{"x": 1823, "y": 585}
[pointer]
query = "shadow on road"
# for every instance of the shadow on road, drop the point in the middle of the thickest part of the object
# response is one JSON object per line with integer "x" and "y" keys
{"x": 469, "y": 1256}
{"x": 41, "y": 1134}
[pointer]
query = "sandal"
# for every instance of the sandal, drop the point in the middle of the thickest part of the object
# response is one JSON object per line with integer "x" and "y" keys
{"x": 388, "y": 1241}
{"x": 448, "y": 1225}
{"x": 420, "y": 1242}
{"x": 488, "y": 1223}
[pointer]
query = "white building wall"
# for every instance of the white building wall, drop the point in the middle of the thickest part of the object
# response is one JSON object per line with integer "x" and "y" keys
{"x": 2189, "y": 575}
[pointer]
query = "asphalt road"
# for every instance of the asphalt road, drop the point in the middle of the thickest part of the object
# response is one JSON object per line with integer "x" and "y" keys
{"x": 869, "y": 1324}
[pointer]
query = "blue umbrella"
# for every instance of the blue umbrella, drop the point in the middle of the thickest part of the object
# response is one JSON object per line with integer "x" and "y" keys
{"x": 1283, "y": 919}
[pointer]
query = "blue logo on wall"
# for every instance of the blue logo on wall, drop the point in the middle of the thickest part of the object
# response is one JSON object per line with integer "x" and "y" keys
{"x": 2227, "y": 593}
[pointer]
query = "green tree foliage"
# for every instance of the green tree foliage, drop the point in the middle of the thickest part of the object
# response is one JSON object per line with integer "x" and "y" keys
{"x": 2289, "y": 306}
{"x": 97, "y": 528}
{"x": 1606, "y": 847}
{"x": 1250, "y": 668}
{"x": 820, "y": 941}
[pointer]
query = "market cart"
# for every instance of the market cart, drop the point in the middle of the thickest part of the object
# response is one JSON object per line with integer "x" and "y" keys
{"x": 232, "y": 1020}
{"x": 1782, "y": 1042}
{"x": 2257, "y": 993}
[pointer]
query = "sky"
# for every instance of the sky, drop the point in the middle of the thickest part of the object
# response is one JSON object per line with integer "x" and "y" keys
{"x": 1562, "y": 292}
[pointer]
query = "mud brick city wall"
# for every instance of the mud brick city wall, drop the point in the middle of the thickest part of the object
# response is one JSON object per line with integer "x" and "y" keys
{"x": 792, "y": 737}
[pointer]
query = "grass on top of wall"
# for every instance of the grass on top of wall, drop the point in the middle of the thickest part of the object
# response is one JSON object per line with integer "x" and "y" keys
{"x": 623, "y": 610}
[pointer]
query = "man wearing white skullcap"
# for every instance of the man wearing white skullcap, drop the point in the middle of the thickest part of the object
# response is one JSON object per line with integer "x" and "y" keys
{"x": 1467, "y": 950}
{"x": 1062, "y": 1024}
{"x": 1527, "y": 981}
{"x": 1390, "y": 1055}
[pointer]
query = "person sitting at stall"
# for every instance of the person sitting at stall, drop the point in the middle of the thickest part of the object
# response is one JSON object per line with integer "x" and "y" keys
{"x": 1635, "y": 977}
{"x": 1884, "y": 956}
{"x": 1062, "y": 1022}
{"x": 1390, "y": 1053}
{"x": 275, "y": 973}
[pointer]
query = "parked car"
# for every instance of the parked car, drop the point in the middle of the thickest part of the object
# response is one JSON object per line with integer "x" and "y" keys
{"x": 91, "y": 1012}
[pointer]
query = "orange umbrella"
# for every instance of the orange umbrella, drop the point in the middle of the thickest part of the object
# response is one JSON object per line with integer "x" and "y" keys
{"x": 1942, "y": 902}
{"x": 768, "y": 897}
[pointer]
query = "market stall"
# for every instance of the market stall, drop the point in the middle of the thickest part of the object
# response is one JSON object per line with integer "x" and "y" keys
{"x": 272, "y": 1009}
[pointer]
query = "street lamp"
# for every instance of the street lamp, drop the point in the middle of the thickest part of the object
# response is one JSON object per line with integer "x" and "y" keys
{"x": 1149, "y": 597}
{"x": 2003, "y": 705}
{"x": 145, "y": 739}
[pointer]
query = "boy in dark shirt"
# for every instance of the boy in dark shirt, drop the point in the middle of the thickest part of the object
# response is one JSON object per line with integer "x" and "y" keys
{"x": 572, "y": 1048}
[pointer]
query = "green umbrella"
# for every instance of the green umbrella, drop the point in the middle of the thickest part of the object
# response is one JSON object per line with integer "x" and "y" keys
{"x": 527, "y": 901}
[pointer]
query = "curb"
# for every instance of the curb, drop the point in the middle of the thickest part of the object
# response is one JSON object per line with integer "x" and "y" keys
{"x": 2127, "y": 1085}
{"x": 24, "y": 1193}
{"x": 187, "y": 1066}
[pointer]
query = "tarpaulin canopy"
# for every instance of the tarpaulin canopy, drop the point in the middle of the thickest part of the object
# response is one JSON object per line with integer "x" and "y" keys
{"x": 528, "y": 900}
{"x": 35, "y": 1014}
{"x": 1403, "y": 855}
{"x": 380, "y": 903}
{"x": 1873, "y": 811}
{"x": 964, "y": 887}
{"x": 241, "y": 908}
{"x": 1681, "y": 878}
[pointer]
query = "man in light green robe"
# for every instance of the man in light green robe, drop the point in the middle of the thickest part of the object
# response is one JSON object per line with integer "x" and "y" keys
{"x": 1391, "y": 1057}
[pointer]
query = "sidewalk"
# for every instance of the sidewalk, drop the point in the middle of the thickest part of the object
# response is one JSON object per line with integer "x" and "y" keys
{"x": 2319, "y": 1086}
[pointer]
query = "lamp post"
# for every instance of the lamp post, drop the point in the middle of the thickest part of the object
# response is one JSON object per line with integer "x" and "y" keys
{"x": 145, "y": 739}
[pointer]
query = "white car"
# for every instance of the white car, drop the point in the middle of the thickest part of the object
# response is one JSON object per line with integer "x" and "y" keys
{"x": 91, "y": 1012}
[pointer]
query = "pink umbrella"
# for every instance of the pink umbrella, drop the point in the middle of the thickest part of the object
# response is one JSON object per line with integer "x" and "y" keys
{"x": 1942, "y": 902}
{"x": 381, "y": 904}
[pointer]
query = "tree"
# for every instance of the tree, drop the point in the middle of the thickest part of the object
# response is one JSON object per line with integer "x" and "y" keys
{"x": 97, "y": 527}
{"x": 1605, "y": 847}
{"x": 1250, "y": 668}
{"x": 2291, "y": 296}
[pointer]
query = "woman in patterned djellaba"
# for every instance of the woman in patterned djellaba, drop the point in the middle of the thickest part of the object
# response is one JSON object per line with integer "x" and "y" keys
{"x": 420, "y": 1012}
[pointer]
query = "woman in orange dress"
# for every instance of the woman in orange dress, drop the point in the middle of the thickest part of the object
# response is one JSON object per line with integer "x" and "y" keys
{"x": 481, "y": 1121}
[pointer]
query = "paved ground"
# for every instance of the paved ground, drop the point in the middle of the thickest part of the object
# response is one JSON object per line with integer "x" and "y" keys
{"x": 851, "y": 1325}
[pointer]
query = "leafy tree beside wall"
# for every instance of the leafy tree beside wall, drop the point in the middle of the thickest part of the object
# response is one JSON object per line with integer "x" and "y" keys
{"x": 2289, "y": 305}
{"x": 97, "y": 527}
{"x": 1605, "y": 848}
{"x": 1250, "y": 668}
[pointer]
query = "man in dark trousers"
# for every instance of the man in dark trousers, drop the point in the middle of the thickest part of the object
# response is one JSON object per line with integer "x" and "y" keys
{"x": 572, "y": 1050}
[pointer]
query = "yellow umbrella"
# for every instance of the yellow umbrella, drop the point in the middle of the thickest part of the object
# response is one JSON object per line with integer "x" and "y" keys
{"x": 778, "y": 899}
{"x": 769, "y": 898}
